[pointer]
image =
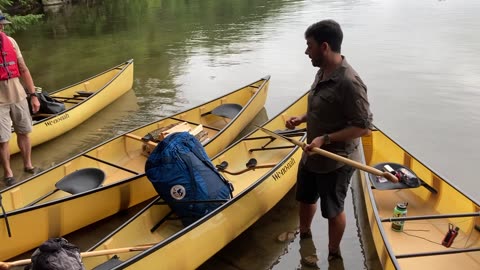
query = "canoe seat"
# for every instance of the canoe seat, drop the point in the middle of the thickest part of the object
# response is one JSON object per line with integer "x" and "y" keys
{"x": 83, "y": 94}
{"x": 413, "y": 181}
{"x": 81, "y": 180}
{"x": 227, "y": 110}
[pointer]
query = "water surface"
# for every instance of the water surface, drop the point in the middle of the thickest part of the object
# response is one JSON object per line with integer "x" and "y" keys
{"x": 418, "y": 58}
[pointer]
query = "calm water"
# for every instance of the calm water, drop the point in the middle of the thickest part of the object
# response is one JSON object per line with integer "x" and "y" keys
{"x": 418, "y": 58}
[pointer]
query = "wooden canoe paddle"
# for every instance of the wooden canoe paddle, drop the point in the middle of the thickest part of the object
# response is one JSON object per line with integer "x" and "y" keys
{"x": 336, "y": 157}
{"x": 8, "y": 265}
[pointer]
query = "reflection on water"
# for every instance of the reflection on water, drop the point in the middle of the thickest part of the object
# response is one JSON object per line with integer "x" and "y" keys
{"x": 418, "y": 58}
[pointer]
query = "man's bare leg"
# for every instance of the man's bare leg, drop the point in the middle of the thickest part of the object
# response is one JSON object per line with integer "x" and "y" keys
{"x": 5, "y": 159}
{"x": 306, "y": 214}
{"x": 25, "y": 146}
{"x": 336, "y": 228}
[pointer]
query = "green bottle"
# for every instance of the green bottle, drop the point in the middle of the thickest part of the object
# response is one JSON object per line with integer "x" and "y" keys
{"x": 399, "y": 211}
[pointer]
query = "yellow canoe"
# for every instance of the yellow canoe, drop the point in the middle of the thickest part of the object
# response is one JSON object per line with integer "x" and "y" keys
{"x": 82, "y": 100}
{"x": 256, "y": 191}
{"x": 122, "y": 161}
{"x": 434, "y": 207}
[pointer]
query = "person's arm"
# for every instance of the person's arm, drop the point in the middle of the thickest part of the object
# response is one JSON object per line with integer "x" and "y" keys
{"x": 28, "y": 81}
{"x": 345, "y": 134}
{"x": 348, "y": 133}
{"x": 357, "y": 110}
{"x": 295, "y": 121}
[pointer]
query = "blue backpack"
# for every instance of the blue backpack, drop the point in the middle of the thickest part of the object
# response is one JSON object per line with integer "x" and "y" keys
{"x": 183, "y": 175}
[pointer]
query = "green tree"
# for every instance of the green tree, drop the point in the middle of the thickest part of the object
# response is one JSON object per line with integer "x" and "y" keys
{"x": 19, "y": 22}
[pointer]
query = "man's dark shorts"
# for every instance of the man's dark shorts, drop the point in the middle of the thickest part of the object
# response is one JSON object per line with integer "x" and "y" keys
{"x": 330, "y": 187}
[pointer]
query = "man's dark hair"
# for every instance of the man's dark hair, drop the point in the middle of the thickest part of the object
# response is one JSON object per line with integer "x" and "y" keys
{"x": 326, "y": 31}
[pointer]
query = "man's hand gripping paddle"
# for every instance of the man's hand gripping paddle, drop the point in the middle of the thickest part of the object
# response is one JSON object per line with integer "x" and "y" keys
{"x": 333, "y": 156}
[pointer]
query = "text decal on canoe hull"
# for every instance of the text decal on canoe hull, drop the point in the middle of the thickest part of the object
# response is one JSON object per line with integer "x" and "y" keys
{"x": 278, "y": 174}
{"x": 57, "y": 120}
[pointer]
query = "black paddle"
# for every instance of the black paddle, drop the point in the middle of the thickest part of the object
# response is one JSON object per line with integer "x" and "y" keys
{"x": 76, "y": 182}
{"x": 6, "y": 218}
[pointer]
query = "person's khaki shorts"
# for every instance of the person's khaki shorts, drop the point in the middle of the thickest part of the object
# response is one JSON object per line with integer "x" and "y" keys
{"x": 16, "y": 114}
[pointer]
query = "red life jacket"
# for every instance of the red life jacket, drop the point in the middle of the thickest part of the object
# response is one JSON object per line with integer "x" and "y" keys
{"x": 8, "y": 59}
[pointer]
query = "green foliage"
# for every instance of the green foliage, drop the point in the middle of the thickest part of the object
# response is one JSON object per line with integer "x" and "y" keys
{"x": 22, "y": 22}
{"x": 5, "y": 3}
{"x": 18, "y": 22}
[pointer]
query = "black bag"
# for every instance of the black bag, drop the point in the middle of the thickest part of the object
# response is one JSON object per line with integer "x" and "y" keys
{"x": 56, "y": 254}
{"x": 48, "y": 105}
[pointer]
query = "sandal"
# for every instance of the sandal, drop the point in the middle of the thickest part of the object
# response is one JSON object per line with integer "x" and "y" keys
{"x": 33, "y": 170}
{"x": 9, "y": 181}
{"x": 287, "y": 236}
{"x": 306, "y": 235}
{"x": 334, "y": 256}
{"x": 310, "y": 261}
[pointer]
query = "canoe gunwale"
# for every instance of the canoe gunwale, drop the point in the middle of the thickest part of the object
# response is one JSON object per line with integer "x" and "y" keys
{"x": 252, "y": 101}
{"x": 444, "y": 179}
{"x": 265, "y": 80}
{"x": 212, "y": 214}
{"x": 378, "y": 220}
{"x": 376, "y": 214}
{"x": 204, "y": 219}
{"x": 71, "y": 197}
{"x": 143, "y": 126}
{"x": 125, "y": 65}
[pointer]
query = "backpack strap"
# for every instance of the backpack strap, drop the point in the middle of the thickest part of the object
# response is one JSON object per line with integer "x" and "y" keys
{"x": 208, "y": 162}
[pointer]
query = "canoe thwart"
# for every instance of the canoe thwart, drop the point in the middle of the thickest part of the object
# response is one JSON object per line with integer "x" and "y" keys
{"x": 252, "y": 164}
{"x": 425, "y": 217}
{"x": 270, "y": 148}
{"x": 165, "y": 218}
{"x": 152, "y": 138}
{"x": 434, "y": 253}
{"x": 112, "y": 164}
{"x": 227, "y": 110}
{"x": 159, "y": 134}
{"x": 287, "y": 133}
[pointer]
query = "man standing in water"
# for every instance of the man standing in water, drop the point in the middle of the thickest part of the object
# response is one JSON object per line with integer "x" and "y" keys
{"x": 338, "y": 114}
{"x": 14, "y": 103}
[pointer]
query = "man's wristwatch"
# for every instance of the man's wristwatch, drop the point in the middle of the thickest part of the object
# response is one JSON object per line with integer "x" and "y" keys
{"x": 32, "y": 95}
{"x": 326, "y": 139}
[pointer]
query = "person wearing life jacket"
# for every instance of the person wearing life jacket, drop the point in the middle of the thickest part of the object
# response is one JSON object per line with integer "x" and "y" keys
{"x": 14, "y": 107}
